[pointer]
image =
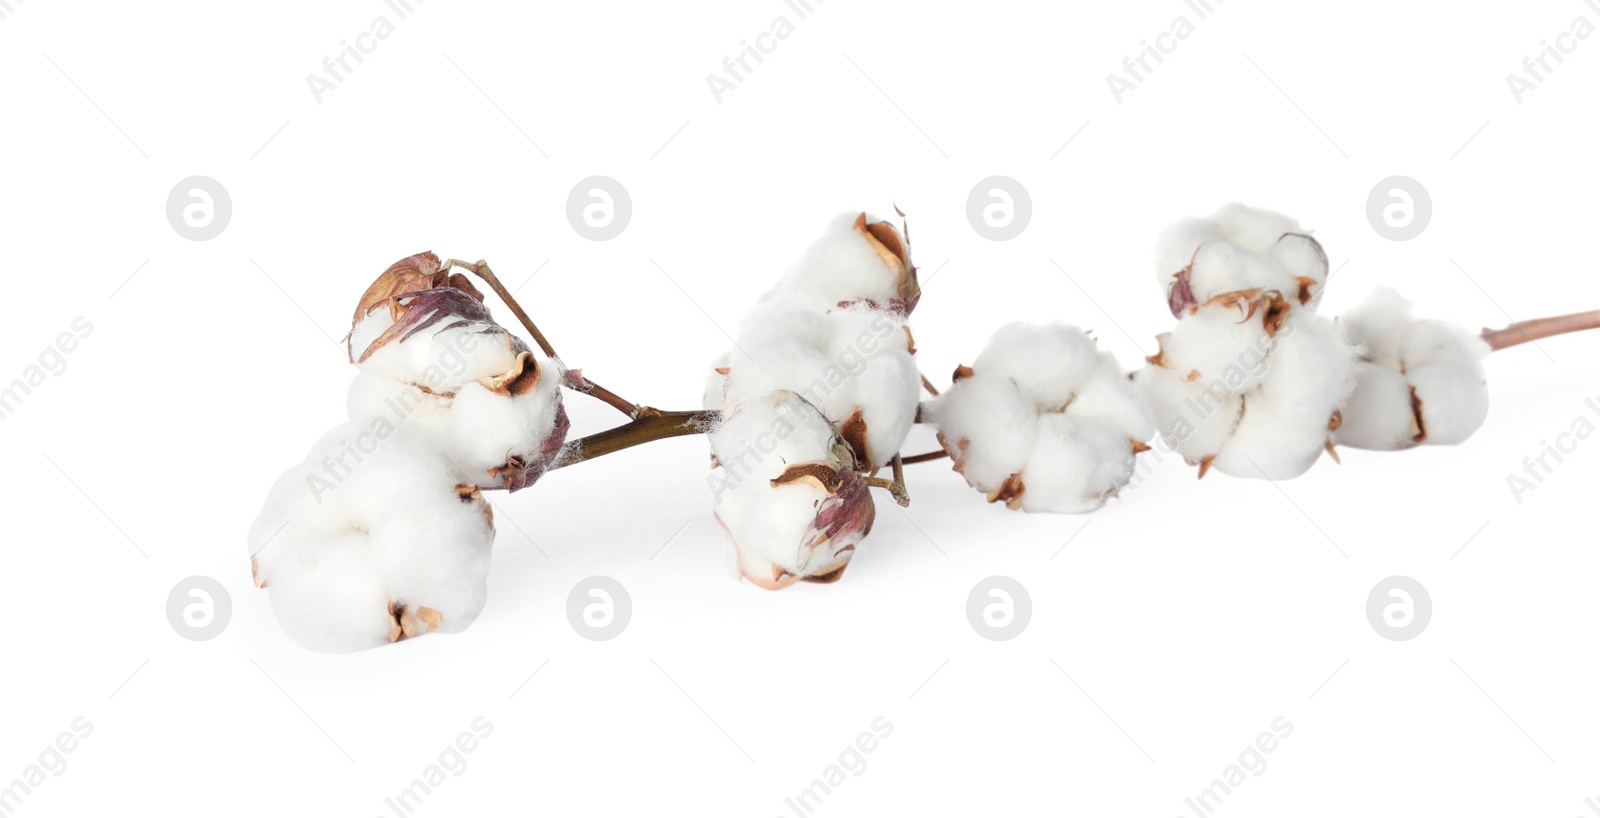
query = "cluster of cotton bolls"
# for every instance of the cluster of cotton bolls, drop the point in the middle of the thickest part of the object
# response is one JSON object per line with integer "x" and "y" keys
{"x": 1251, "y": 379}
{"x": 1253, "y": 382}
{"x": 826, "y": 350}
{"x": 381, "y": 533}
{"x": 1043, "y": 420}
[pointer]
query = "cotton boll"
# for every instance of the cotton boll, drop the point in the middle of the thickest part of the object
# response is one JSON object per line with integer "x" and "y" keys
{"x": 787, "y": 492}
{"x": 368, "y": 541}
{"x": 1434, "y": 381}
{"x": 987, "y": 426}
{"x": 858, "y": 258}
{"x": 1239, "y": 248}
{"x": 1267, "y": 411}
{"x": 1043, "y": 420}
{"x": 1074, "y": 467}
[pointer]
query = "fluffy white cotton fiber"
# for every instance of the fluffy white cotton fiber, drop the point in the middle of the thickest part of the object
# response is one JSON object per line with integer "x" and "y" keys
{"x": 1043, "y": 420}
{"x": 364, "y": 543}
{"x": 381, "y": 533}
{"x": 1418, "y": 381}
{"x": 1239, "y": 248}
{"x": 787, "y": 492}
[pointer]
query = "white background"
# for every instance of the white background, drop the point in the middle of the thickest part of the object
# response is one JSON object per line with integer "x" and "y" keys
{"x": 1166, "y": 635}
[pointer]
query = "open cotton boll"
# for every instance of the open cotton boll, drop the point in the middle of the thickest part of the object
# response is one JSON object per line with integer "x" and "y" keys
{"x": 1043, "y": 420}
{"x": 1418, "y": 381}
{"x": 370, "y": 540}
{"x": 1257, "y": 404}
{"x": 859, "y": 257}
{"x": 856, "y": 364}
{"x": 787, "y": 492}
{"x": 1239, "y": 248}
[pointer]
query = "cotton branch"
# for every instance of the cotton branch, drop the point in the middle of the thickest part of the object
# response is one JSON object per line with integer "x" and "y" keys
{"x": 644, "y": 429}
{"x": 1524, "y": 332}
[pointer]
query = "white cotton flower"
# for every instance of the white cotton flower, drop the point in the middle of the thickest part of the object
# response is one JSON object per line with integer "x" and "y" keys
{"x": 858, "y": 258}
{"x": 369, "y": 541}
{"x": 787, "y": 492}
{"x": 1043, "y": 420}
{"x": 1239, "y": 248}
{"x": 1418, "y": 381}
{"x": 1249, "y": 385}
{"x": 434, "y": 363}
{"x": 856, "y": 364}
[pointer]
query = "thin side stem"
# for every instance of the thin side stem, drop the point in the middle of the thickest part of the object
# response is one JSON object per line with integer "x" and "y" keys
{"x": 928, "y": 385}
{"x": 578, "y": 383}
{"x": 895, "y": 489}
{"x": 481, "y": 270}
{"x": 927, "y": 457}
{"x": 1523, "y": 332}
{"x": 637, "y": 432}
{"x": 575, "y": 381}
